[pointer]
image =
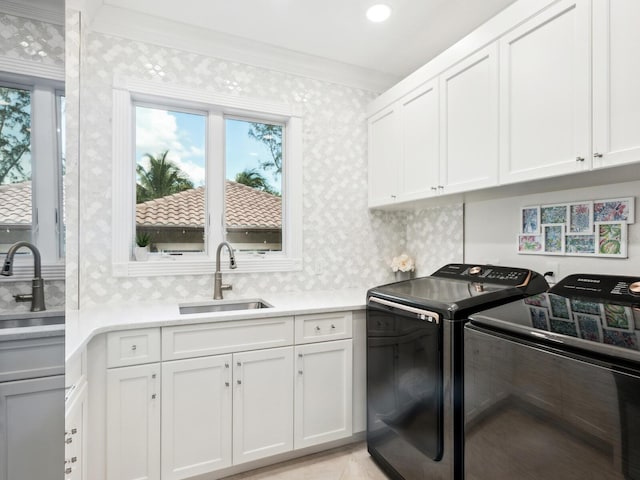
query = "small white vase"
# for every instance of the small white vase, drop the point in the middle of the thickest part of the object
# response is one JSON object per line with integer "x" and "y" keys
{"x": 402, "y": 275}
{"x": 141, "y": 253}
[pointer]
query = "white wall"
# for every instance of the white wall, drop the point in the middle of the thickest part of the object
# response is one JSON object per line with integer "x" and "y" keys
{"x": 491, "y": 227}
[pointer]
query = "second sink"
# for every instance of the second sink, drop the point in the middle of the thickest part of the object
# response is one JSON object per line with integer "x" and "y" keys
{"x": 222, "y": 306}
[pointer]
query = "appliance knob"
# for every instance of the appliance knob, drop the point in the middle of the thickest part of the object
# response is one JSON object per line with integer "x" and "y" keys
{"x": 475, "y": 270}
{"x": 634, "y": 288}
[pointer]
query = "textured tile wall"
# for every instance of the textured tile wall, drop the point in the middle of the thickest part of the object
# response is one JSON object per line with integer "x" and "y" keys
{"x": 22, "y": 38}
{"x": 345, "y": 245}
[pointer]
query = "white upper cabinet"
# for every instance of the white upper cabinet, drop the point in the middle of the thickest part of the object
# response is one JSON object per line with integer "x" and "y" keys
{"x": 616, "y": 73}
{"x": 469, "y": 123}
{"x": 419, "y": 139}
{"x": 384, "y": 156}
{"x": 544, "y": 94}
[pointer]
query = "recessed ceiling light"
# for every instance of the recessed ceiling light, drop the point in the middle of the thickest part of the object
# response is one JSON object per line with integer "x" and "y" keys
{"x": 379, "y": 12}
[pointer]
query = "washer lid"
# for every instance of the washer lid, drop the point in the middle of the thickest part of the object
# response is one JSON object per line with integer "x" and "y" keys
{"x": 599, "y": 313}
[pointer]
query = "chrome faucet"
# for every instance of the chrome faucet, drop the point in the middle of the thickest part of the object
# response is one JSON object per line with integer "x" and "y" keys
{"x": 37, "y": 284}
{"x": 218, "y": 286}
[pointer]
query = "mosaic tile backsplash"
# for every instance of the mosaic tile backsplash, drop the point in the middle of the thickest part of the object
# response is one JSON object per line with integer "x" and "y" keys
{"x": 353, "y": 243}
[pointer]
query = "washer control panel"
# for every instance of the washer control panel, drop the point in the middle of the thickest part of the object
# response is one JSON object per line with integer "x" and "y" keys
{"x": 485, "y": 274}
{"x": 605, "y": 287}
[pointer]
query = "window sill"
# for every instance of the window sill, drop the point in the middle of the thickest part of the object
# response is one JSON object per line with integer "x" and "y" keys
{"x": 180, "y": 266}
{"x": 23, "y": 271}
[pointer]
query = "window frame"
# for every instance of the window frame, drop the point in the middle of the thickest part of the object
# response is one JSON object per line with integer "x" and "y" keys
{"x": 46, "y": 202}
{"x": 129, "y": 93}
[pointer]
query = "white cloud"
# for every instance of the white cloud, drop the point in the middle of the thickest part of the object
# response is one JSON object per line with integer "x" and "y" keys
{"x": 158, "y": 130}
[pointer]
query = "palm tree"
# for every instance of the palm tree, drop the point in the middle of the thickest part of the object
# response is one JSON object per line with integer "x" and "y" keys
{"x": 271, "y": 136}
{"x": 162, "y": 178}
{"x": 254, "y": 179}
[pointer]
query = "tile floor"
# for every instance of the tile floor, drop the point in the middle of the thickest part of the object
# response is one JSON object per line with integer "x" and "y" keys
{"x": 351, "y": 462}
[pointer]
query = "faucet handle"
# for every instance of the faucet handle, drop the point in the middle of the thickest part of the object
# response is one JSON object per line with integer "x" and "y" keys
{"x": 226, "y": 286}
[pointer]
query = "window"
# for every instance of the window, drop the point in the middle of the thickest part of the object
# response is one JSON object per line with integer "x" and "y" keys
{"x": 31, "y": 155}
{"x": 208, "y": 168}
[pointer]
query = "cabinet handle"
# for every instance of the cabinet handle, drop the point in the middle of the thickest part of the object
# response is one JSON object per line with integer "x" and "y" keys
{"x": 434, "y": 188}
{"x": 239, "y": 382}
{"x": 300, "y": 372}
{"x": 597, "y": 155}
{"x": 440, "y": 187}
{"x": 153, "y": 375}
{"x": 317, "y": 329}
{"x": 393, "y": 196}
{"x": 226, "y": 384}
{"x": 68, "y": 470}
{"x": 333, "y": 327}
{"x": 68, "y": 440}
{"x": 579, "y": 159}
{"x": 74, "y": 431}
{"x": 133, "y": 347}
{"x": 226, "y": 365}
{"x": 239, "y": 364}
{"x": 299, "y": 355}
{"x": 153, "y": 396}
{"x": 74, "y": 459}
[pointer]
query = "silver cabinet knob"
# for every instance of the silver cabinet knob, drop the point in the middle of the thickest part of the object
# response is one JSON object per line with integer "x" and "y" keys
{"x": 239, "y": 364}
{"x": 68, "y": 440}
{"x": 153, "y": 375}
{"x": 317, "y": 329}
{"x": 153, "y": 396}
{"x": 74, "y": 431}
{"x": 440, "y": 187}
{"x": 333, "y": 327}
{"x": 239, "y": 382}
{"x": 434, "y": 188}
{"x": 68, "y": 470}
{"x": 74, "y": 459}
{"x": 226, "y": 365}
{"x": 133, "y": 347}
{"x": 393, "y": 196}
{"x": 597, "y": 155}
{"x": 579, "y": 159}
{"x": 226, "y": 384}
{"x": 300, "y": 372}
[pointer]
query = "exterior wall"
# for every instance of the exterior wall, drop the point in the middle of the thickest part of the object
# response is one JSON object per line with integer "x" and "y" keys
{"x": 345, "y": 245}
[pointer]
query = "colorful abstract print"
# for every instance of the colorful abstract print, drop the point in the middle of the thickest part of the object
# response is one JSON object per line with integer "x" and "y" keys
{"x": 613, "y": 211}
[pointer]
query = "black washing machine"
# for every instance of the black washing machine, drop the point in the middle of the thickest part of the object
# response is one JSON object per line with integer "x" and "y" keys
{"x": 414, "y": 364}
{"x": 552, "y": 384}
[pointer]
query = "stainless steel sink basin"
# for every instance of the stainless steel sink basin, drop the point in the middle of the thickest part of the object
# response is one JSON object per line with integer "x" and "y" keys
{"x": 222, "y": 306}
{"x": 35, "y": 319}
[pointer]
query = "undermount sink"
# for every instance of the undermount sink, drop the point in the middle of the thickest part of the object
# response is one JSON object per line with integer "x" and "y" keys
{"x": 31, "y": 319}
{"x": 222, "y": 306}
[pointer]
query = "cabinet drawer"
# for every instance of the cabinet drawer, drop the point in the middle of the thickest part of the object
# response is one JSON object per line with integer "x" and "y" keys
{"x": 133, "y": 347}
{"x": 31, "y": 358}
{"x": 224, "y": 337}
{"x": 323, "y": 326}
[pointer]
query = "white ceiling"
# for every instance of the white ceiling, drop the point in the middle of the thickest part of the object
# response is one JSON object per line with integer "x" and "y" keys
{"x": 335, "y": 29}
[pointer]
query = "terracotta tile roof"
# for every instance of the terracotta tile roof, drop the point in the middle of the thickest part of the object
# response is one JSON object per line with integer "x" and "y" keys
{"x": 245, "y": 207}
{"x": 15, "y": 203}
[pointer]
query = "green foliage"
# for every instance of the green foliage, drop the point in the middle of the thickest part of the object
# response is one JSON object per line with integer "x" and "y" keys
{"x": 254, "y": 179}
{"x": 143, "y": 239}
{"x": 162, "y": 178}
{"x": 271, "y": 136}
{"x": 15, "y": 135}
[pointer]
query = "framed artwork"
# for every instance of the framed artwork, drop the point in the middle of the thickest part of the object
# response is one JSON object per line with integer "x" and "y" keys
{"x": 564, "y": 327}
{"x": 611, "y": 239}
{"x": 580, "y": 244}
{"x": 589, "y": 326}
{"x": 553, "y": 214}
{"x": 530, "y": 244}
{"x": 539, "y": 318}
{"x": 618, "y": 317}
{"x": 530, "y": 220}
{"x": 620, "y": 339}
{"x": 580, "y": 218}
{"x": 614, "y": 210}
{"x": 553, "y": 238}
{"x": 585, "y": 306}
{"x": 539, "y": 300}
{"x": 560, "y": 307}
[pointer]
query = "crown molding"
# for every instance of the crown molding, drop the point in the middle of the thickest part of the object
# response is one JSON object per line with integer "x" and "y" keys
{"x": 31, "y": 11}
{"x": 33, "y": 69}
{"x": 149, "y": 29}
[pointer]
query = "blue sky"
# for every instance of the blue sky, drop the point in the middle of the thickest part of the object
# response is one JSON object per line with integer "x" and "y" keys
{"x": 183, "y": 134}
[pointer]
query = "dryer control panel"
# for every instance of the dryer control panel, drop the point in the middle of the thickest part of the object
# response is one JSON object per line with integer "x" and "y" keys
{"x": 486, "y": 274}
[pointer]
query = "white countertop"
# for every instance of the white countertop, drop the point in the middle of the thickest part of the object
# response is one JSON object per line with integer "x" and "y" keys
{"x": 83, "y": 325}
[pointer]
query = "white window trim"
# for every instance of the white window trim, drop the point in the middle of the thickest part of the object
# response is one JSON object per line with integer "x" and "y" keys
{"x": 123, "y": 184}
{"x": 47, "y": 76}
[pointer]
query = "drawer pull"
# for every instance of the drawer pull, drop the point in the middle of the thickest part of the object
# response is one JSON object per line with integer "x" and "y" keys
{"x": 68, "y": 470}
{"x": 333, "y": 327}
{"x": 579, "y": 159}
{"x": 300, "y": 372}
{"x": 226, "y": 384}
{"x": 133, "y": 347}
{"x": 226, "y": 365}
{"x": 317, "y": 329}
{"x": 68, "y": 440}
{"x": 153, "y": 396}
{"x": 153, "y": 375}
{"x": 74, "y": 431}
{"x": 239, "y": 382}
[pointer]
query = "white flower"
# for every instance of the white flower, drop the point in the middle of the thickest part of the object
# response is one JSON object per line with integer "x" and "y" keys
{"x": 403, "y": 263}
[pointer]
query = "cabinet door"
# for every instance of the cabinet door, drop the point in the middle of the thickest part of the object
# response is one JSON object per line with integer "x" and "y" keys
{"x": 420, "y": 143}
{"x": 74, "y": 423}
{"x": 323, "y": 392}
{"x": 385, "y": 152}
{"x": 544, "y": 94}
{"x": 616, "y": 70}
{"x": 196, "y": 416}
{"x": 133, "y": 423}
{"x": 262, "y": 403}
{"x": 32, "y": 428}
{"x": 469, "y": 123}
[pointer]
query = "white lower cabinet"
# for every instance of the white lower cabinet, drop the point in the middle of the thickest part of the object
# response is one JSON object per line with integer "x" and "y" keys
{"x": 133, "y": 422}
{"x": 74, "y": 436}
{"x": 323, "y": 392}
{"x": 196, "y": 416}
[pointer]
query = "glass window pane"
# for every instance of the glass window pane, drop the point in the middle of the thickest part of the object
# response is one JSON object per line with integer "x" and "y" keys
{"x": 15, "y": 166}
{"x": 61, "y": 110}
{"x": 170, "y": 179}
{"x": 253, "y": 193}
